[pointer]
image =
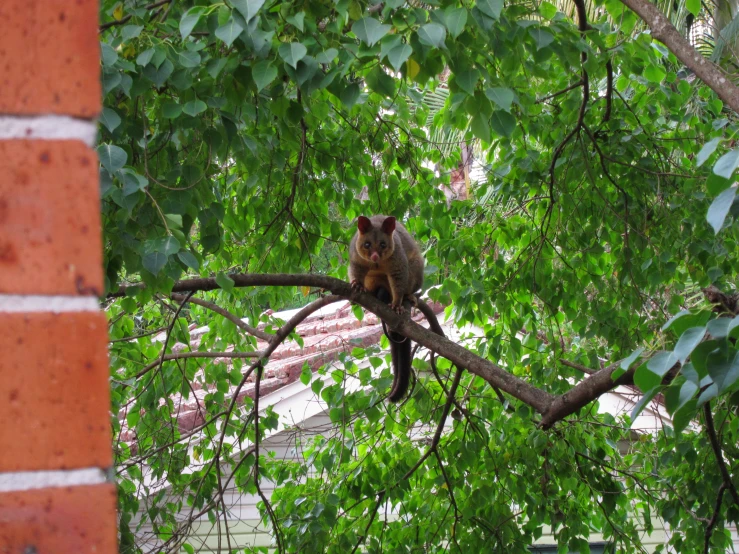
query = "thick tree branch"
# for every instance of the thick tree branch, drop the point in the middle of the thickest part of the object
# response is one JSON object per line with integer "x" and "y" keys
{"x": 585, "y": 392}
{"x": 492, "y": 373}
{"x": 553, "y": 408}
{"x": 707, "y": 71}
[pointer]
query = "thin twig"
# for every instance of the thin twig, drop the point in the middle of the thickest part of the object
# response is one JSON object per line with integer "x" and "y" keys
{"x": 559, "y": 92}
{"x": 711, "y": 430}
{"x": 228, "y": 315}
{"x": 124, "y": 20}
{"x": 714, "y": 518}
{"x": 267, "y": 505}
{"x": 186, "y": 355}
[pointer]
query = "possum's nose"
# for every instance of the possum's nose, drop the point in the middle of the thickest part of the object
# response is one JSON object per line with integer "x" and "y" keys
{"x": 375, "y": 257}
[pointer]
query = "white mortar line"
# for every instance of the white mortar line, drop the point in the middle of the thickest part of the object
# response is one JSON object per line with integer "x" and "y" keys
{"x": 29, "y": 480}
{"x": 48, "y": 127}
{"x": 12, "y": 303}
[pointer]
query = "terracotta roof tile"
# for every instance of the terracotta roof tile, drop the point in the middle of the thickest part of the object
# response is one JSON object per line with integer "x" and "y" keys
{"x": 326, "y": 334}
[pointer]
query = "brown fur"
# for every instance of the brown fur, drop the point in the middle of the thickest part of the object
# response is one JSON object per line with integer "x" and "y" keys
{"x": 385, "y": 260}
{"x": 399, "y": 265}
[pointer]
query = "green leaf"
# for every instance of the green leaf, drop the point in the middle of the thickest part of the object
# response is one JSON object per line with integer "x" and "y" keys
{"x": 225, "y": 282}
{"x": 154, "y": 262}
{"x": 454, "y": 20}
{"x": 112, "y": 157}
{"x": 630, "y": 359}
{"x": 188, "y": 259}
{"x": 503, "y": 123}
{"x": 650, "y": 375}
{"x": 327, "y": 56}
{"x": 681, "y": 396}
{"x": 297, "y": 20}
{"x": 194, "y": 107}
{"x": 169, "y": 246}
{"x": 726, "y": 164}
{"x": 131, "y": 31}
{"x": 380, "y": 82}
{"x": 145, "y": 57}
{"x": 248, "y": 8}
{"x": 501, "y": 96}
{"x": 432, "y": 34}
{"x": 229, "y": 32}
{"x": 719, "y": 209}
{"x": 190, "y": 19}
{"x": 159, "y": 76}
{"x": 369, "y": 30}
{"x": 491, "y": 8}
{"x": 350, "y": 95}
{"x": 108, "y": 55}
{"x": 398, "y": 55}
{"x": 214, "y": 67}
{"x": 675, "y": 317}
{"x": 724, "y": 370}
{"x": 688, "y": 341}
{"x": 542, "y": 37}
{"x": 174, "y": 221}
{"x": 132, "y": 418}
{"x": 263, "y": 74}
{"x": 467, "y": 80}
{"x": 707, "y": 150}
{"x": 171, "y": 110}
{"x": 722, "y": 327}
{"x": 189, "y": 59}
{"x": 110, "y": 119}
{"x": 643, "y": 401}
{"x": 132, "y": 181}
{"x": 547, "y": 10}
{"x": 292, "y": 53}
{"x": 694, "y": 6}
{"x": 306, "y": 374}
{"x": 480, "y": 127}
{"x": 160, "y": 54}
{"x": 654, "y": 73}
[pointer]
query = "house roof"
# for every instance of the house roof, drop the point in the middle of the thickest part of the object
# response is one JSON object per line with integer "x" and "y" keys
{"x": 326, "y": 334}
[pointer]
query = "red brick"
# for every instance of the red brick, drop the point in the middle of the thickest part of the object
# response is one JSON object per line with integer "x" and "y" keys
{"x": 49, "y": 57}
{"x": 54, "y": 399}
{"x": 55, "y": 520}
{"x": 50, "y": 238}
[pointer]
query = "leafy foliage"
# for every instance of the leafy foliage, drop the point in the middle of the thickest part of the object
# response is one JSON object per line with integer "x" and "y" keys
{"x": 245, "y": 136}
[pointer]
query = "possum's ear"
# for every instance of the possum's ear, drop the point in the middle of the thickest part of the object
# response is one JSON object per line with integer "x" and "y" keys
{"x": 364, "y": 224}
{"x": 388, "y": 226}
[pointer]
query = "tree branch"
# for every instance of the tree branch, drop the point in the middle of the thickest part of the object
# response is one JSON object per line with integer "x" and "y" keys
{"x": 186, "y": 355}
{"x": 553, "y": 408}
{"x": 712, "y": 523}
{"x": 124, "y": 20}
{"x": 228, "y": 315}
{"x": 555, "y": 94}
{"x": 711, "y": 430}
{"x": 707, "y": 71}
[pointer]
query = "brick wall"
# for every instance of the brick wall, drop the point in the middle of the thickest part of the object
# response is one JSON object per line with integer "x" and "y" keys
{"x": 55, "y": 444}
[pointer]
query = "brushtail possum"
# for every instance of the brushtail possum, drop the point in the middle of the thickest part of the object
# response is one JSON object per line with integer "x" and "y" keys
{"x": 385, "y": 260}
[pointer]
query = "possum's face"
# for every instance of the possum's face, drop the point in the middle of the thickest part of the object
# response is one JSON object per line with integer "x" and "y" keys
{"x": 375, "y": 244}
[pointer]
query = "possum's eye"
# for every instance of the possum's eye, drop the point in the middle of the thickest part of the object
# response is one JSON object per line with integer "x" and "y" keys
{"x": 367, "y": 244}
{"x": 382, "y": 244}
